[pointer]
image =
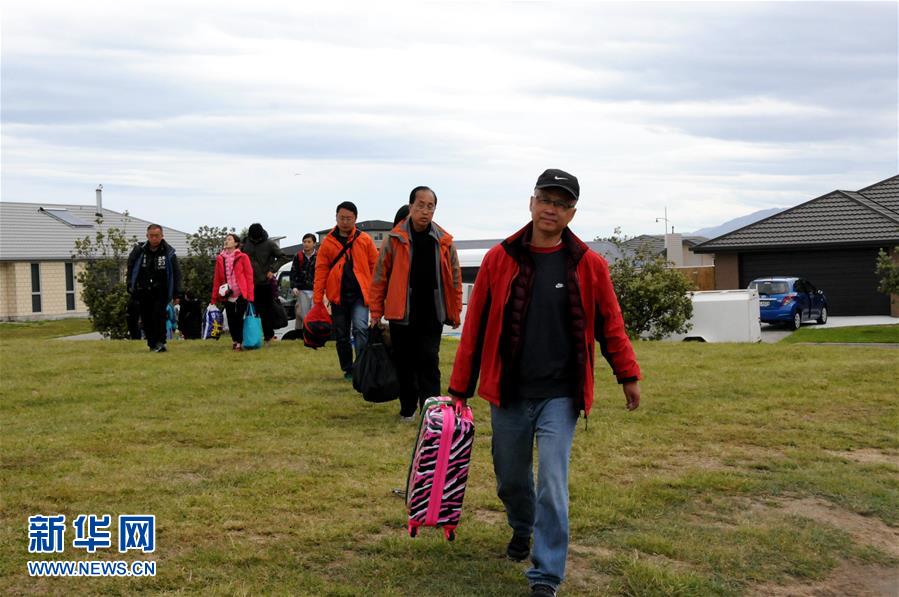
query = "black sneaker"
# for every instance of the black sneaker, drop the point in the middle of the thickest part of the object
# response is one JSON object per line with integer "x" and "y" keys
{"x": 159, "y": 348}
{"x": 543, "y": 591}
{"x": 519, "y": 548}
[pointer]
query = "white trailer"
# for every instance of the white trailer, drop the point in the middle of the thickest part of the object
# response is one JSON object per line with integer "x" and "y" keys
{"x": 724, "y": 316}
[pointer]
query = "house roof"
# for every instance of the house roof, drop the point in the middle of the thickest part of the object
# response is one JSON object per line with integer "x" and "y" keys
{"x": 839, "y": 218}
{"x": 47, "y": 231}
{"x": 365, "y": 226}
{"x": 655, "y": 243}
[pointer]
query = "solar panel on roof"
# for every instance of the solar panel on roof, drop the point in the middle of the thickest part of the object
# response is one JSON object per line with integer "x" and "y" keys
{"x": 66, "y": 217}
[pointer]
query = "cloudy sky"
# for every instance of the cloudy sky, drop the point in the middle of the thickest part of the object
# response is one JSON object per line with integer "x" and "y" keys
{"x": 193, "y": 113}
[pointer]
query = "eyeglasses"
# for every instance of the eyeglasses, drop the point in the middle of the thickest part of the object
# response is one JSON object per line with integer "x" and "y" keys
{"x": 425, "y": 207}
{"x": 563, "y": 205}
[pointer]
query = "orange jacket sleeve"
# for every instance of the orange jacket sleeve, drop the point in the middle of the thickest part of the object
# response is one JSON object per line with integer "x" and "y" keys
{"x": 326, "y": 254}
{"x": 380, "y": 279}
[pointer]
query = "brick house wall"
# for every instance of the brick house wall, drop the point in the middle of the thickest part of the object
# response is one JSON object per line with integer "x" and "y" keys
{"x": 16, "y": 291}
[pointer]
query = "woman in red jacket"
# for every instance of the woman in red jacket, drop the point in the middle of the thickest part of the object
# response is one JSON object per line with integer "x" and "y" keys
{"x": 233, "y": 286}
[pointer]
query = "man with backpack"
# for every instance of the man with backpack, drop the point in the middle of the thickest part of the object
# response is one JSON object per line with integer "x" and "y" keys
{"x": 540, "y": 301}
{"x": 302, "y": 278}
{"x": 343, "y": 273}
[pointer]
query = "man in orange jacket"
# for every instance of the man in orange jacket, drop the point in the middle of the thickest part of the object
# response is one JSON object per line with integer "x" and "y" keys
{"x": 417, "y": 286}
{"x": 343, "y": 271}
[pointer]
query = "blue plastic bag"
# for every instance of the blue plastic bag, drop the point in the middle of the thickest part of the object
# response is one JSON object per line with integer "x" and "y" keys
{"x": 252, "y": 329}
{"x": 212, "y": 323}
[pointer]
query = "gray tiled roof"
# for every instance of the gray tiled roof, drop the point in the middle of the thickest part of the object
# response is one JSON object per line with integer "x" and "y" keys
{"x": 869, "y": 216}
{"x": 29, "y": 234}
{"x": 885, "y": 193}
{"x": 655, "y": 243}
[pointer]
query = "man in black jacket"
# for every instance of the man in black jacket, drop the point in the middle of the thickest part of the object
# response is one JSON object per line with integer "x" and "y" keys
{"x": 154, "y": 278}
{"x": 302, "y": 278}
{"x": 266, "y": 257}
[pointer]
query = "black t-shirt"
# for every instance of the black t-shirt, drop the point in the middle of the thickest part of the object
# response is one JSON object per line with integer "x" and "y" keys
{"x": 423, "y": 279}
{"x": 350, "y": 291}
{"x": 546, "y": 366}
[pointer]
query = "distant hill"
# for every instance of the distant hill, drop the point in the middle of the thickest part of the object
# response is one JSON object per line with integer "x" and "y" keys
{"x": 731, "y": 225}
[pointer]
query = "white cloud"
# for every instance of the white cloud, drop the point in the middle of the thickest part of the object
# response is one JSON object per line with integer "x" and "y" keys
{"x": 204, "y": 112}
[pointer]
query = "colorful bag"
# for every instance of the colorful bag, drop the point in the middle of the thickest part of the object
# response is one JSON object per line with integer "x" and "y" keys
{"x": 252, "y": 329}
{"x": 439, "y": 472}
{"x": 212, "y": 323}
{"x": 317, "y": 326}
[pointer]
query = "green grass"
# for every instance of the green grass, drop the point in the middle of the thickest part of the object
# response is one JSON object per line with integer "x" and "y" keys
{"x": 268, "y": 474}
{"x": 860, "y": 333}
{"x": 36, "y": 330}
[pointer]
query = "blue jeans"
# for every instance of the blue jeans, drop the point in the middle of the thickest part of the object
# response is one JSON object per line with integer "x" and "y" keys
{"x": 351, "y": 318}
{"x": 543, "y": 513}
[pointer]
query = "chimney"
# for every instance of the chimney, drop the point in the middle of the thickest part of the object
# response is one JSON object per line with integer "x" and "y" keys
{"x": 99, "y": 213}
{"x": 674, "y": 246}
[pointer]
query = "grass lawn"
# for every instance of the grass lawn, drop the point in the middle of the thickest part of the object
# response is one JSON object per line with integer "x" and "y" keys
{"x": 748, "y": 469}
{"x": 36, "y": 330}
{"x": 859, "y": 333}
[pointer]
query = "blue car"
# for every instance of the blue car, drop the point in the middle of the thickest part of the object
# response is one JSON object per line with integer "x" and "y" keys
{"x": 790, "y": 301}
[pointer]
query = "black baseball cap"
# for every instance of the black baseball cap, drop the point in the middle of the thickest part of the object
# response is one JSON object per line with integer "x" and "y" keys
{"x": 559, "y": 178}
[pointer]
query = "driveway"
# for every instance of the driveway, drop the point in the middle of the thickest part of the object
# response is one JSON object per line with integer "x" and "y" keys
{"x": 772, "y": 333}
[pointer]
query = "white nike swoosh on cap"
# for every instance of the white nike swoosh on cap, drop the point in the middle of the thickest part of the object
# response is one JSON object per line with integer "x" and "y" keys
{"x": 559, "y": 178}
{"x": 560, "y": 285}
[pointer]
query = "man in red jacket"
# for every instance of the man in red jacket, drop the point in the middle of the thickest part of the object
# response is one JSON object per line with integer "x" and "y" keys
{"x": 540, "y": 300}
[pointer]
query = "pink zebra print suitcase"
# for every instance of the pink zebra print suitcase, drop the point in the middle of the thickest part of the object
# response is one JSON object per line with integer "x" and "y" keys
{"x": 439, "y": 471}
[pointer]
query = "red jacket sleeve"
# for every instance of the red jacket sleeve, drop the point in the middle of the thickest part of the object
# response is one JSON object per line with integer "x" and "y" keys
{"x": 217, "y": 279}
{"x": 467, "y": 364}
{"x": 246, "y": 281}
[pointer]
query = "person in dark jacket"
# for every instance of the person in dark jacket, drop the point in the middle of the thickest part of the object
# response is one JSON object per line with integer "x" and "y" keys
{"x": 302, "y": 278}
{"x": 540, "y": 300}
{"x": 154, "y": 278}
{"x": 190, "y": 317}
{"x": 265, "y": 257}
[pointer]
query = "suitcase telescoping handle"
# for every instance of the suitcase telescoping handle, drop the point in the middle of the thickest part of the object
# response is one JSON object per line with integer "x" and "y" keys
{"x": 443, "y": 452}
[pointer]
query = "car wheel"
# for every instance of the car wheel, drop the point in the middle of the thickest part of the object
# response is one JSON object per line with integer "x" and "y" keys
{"x": 797, "y": 321}
{"x": 823, "y": 318}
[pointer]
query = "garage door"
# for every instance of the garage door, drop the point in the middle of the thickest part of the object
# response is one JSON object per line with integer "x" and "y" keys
{"x": 846, "y": 277}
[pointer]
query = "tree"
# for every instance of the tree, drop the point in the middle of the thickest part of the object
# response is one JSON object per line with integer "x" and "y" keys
{"x": 653, "y": 297}
{"x": 198, "y": 267}
{"x": 103, "y": 287}
{"x": 888, "y": 271}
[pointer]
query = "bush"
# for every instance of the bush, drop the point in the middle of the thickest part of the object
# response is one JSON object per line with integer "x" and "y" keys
{"x": 653, "y": 297}
{"x": 198, "y": 267}
{"x": 888, "y": 272}
{"x": 102, "y": 280}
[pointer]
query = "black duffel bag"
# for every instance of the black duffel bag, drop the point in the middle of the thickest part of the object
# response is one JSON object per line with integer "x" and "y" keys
{"x": 374, "y": 374}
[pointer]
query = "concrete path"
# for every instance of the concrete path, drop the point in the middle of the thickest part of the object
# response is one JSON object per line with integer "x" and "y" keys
{"x": 842, "y": 322}
{"x": 770, "y": 333}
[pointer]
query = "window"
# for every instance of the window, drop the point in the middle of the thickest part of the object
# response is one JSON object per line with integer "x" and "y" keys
{"x": 70, "y": 287}
{"x": 35, "y": 287}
